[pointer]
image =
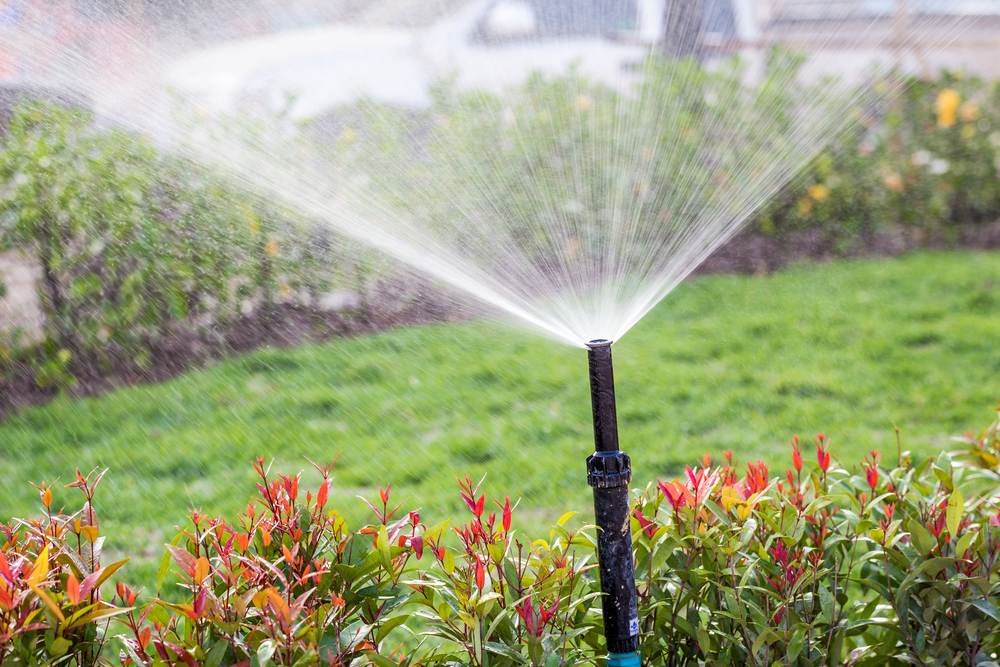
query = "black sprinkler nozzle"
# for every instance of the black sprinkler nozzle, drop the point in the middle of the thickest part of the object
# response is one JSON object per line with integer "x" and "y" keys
{"x": 609, "y": 472}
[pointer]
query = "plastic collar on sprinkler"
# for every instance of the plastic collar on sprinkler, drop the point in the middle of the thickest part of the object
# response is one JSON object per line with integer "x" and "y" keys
{"x": 624, "y": 660}
{"x": 609, "y": 471}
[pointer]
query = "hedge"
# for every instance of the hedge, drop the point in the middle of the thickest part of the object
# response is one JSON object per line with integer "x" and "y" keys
{"x": 894, "y": 561}
{"x": 140, "y": 249}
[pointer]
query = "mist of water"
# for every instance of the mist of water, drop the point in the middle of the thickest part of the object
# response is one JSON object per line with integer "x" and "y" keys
{"x": 568, "y": 164}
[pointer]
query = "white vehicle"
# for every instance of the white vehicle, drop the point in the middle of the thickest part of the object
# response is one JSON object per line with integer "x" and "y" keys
{"x": 485, "y": 45}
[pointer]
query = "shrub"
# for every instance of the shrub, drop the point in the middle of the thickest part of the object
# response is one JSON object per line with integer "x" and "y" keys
{"x": 896, "y": 562}
{"x": 51, "y": 582}
{"x": 922, "y": 163}
{"x": 821, "y": 567}
{"x": 138, "y": 248}
{"x": 126, "y": 249}
{"x": 286, "y": 582}
{"x": 926, "y": 163}
{"x": 534, "y": 148}
{"x": 289, "y": 582}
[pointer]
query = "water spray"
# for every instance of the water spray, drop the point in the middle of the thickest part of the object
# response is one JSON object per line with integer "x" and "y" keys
{"x": 609, "y": 472}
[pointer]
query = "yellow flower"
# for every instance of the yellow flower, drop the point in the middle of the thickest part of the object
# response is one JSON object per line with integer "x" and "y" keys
{"x": 729, "y": 497}
{"x": 271, "y": 249}
{"x": 805, "y": 206}
{"x": 348, "y": 136}
{"x": 819, "y": 192}
{"x": 583, "y": 103}
{"x": 969, "y": 112}
{"x": 948, "y": 101}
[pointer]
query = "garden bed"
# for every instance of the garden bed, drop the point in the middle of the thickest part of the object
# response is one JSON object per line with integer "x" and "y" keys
{"x": 894, "y": 559}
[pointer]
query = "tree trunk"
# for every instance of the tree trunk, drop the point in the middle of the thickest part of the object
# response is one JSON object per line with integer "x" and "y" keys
{"x": 60, "y": 321}
{"x": 265, "y": 281}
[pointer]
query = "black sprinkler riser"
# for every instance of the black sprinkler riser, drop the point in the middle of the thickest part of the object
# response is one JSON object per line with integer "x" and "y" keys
{"x": 609, "y": 472}
{"x": 602, "y": 396}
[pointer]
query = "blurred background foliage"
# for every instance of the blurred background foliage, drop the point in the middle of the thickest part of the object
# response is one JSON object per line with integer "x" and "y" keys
{"x": 150, "y": 264}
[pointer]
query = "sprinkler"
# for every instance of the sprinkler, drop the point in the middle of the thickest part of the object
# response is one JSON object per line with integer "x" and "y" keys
{"x": 609, "y": 472}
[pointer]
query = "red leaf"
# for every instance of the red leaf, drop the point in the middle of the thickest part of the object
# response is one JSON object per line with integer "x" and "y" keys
{"x": 480, "y": 574}
{"x": 5, "y": 568}
{"x": 73, "y": 589}
{"x": 183, "y": 558}
{"x": 199, "y": 602}
{"x": 321, "y": 495}
{"x": 289, "y": 556}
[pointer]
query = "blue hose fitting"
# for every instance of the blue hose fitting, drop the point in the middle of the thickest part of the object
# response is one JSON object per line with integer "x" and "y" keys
{"x": 624, "y": 659}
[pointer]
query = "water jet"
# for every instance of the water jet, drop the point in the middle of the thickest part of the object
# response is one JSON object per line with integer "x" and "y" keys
{"x": 609, "y": 471}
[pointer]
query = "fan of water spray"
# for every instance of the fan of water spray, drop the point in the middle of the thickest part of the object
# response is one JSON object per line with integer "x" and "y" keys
{"x": 568, "y": 163}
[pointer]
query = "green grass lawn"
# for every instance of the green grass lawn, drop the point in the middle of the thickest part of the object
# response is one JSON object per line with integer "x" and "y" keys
{"x": 726, "y": 362}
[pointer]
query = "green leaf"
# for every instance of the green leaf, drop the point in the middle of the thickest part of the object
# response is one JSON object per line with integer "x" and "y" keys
{"x": 953, "y": 515}
{"x": 264, "y": 652}
{"x": 96, "y": 615}
{"x": 922, "y": 539}
{"x": 934, "y": 566}
{"x": 216, "y": 654}
{"x": 965, "y": 542}
{"x": 748, "y": 532}
{"x": 704, "y": 641}
{"x": 108, "y": 571}
{"x": 449, "y": 561}
{"x": 767, "y": 637}
{"x": 387, "y": 626}
{"x": 795, "y": 644}
{"x": 987, "y": 608}
{"x": 59, "y": 646}
{"x": 502, "y": 649}
{"x": 382, "y": 661}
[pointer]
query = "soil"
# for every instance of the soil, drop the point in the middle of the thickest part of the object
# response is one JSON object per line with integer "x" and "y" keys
{"x": 408, "y": 302}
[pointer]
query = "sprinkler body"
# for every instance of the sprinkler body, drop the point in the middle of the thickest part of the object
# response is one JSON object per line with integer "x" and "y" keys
{"x": 609, "y": 472}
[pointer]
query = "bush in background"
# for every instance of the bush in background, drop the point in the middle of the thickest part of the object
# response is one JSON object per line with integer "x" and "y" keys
{"x": 926, "y": 167}
{"x": 920, "y": 169}
{"x": 149, "y": 260}
{"x": 896, "y": 562}
{"x": 139, "y": 249}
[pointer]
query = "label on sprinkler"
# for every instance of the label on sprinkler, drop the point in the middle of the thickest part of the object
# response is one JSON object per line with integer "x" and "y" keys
{"x": 633, "y": 626}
